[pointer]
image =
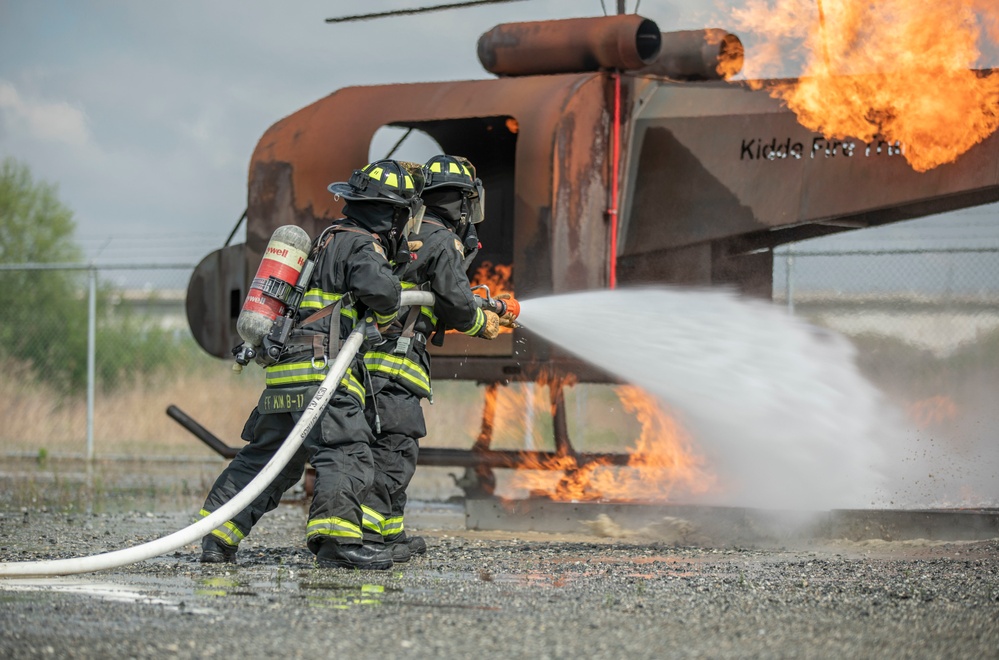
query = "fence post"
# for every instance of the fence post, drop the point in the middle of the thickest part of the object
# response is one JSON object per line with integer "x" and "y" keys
{"x": 789, "y": 279}
{"x": 91, "y": 357}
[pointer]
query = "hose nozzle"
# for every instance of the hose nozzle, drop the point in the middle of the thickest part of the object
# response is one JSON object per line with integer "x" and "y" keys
{"x": 509, "y": 307}
{"x": 504, "y": 305}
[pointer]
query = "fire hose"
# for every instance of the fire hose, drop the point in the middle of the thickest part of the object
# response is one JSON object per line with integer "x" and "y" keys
{"x": 197, "y": 530}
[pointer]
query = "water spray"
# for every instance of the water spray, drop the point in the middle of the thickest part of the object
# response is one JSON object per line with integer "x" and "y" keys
{"x": 197, "y": 530}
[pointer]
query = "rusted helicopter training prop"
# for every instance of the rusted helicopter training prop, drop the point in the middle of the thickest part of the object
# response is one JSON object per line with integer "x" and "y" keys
{"x": 613, "y": 154}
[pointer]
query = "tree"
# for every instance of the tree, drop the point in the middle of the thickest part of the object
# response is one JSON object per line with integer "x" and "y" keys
{"x": 35, "y": 227}
{"x": 44, "y": 311}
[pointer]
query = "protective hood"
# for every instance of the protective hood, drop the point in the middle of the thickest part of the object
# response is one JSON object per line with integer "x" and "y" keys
{"x": 376, "y": 217}
{"x": 445, "y": 205}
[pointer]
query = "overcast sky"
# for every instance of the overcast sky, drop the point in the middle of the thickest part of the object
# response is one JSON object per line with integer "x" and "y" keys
{"x": 145, "y": 114}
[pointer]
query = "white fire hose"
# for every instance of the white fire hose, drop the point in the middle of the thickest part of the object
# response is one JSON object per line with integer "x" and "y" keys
{"x": 199, "y": 529}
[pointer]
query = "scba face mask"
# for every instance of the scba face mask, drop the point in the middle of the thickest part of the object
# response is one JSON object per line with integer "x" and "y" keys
{"x": 408, "y": 220}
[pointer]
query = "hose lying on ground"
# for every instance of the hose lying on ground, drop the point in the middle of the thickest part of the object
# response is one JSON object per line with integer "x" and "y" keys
{"x": 194, "y": 532}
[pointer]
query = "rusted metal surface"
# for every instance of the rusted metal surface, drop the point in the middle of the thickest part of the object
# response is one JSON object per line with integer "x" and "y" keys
{"x": 215, "y": 295}
{"x": 708, "y": 54}
{"x": 713, "y": 175}
{"x": 571, "y": 45}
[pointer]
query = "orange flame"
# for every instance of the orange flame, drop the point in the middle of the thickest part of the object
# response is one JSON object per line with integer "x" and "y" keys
{"x": 660, "y": 463}
{"x": 934, "y": 410}
{"x": 497, "y": 278}
{"x": 892, "y": 71}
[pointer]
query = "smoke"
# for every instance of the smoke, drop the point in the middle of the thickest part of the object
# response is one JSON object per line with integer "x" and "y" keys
{"x": 776, "y": 406}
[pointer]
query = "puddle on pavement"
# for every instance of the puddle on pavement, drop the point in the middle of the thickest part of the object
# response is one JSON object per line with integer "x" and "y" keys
{"x": 344, "y": 597}
{"x": 107, "y": 591}
{"x": 320, "y": 588}
{"x": 222, "y": 586}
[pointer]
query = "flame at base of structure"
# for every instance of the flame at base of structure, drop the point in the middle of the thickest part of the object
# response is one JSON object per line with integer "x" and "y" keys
{"x": 661, "y": 463}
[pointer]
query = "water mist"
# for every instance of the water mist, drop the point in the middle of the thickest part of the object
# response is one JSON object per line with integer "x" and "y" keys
{"x": 775, "y": 405}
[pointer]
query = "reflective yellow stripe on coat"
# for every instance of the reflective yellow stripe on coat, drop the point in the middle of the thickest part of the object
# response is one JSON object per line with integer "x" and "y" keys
{"x": 399, "y": 368}
{"x": 298, "y": 373}
{"x": 424, "y": 310}
{"x": 317, "y": 299}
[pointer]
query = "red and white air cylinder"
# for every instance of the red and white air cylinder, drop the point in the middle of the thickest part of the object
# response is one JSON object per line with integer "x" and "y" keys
{"x": 283, "y": 259}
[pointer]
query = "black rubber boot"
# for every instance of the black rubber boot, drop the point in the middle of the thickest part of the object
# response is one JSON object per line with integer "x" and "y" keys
{"x": 365, "y": 557}
{"x": 400, "y": 552}
{"x": 404, "y": 547}
{"x": 417, "y": 545}
{"x": 214, "y": 551}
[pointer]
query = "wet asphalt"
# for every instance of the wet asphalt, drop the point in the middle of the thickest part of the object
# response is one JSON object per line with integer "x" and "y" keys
{"x": 495, "y": 595}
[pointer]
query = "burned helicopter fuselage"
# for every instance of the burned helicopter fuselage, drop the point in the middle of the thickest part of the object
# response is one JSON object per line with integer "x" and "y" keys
{"x": 611, "y": 153}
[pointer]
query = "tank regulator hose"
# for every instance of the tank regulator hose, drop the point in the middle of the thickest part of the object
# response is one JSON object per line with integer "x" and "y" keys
{"x": 221, "y": 515}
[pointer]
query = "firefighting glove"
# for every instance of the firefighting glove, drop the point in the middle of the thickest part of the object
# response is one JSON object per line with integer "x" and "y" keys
{"x": 415, "y": 245}
{"x": 492, "y": 325}
{"x": 508, "y": 320}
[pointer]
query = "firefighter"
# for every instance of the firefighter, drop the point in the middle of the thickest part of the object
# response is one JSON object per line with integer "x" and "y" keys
{"x": 352, "y": 277}
{"x": 400, "y": 368}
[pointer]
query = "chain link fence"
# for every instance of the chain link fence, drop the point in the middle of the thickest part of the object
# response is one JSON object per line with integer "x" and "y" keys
{"x": 925, "y": 325}
{"x": 97, "y": 383}
{"x": 934, "y": 300}
{"x": 95, "y": 378}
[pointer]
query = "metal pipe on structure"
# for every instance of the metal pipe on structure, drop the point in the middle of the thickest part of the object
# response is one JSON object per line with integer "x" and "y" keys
{"x": 573, "y": 45}
{"x": 708, "y": 54}
{"x": 194, "y": 532}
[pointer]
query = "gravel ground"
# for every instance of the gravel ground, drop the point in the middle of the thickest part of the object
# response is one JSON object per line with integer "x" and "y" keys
{"x": 487, "y": 595}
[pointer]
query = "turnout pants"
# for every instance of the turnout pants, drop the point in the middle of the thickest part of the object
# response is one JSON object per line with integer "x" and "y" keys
{"x": 394, "y": 451}
{"x": 338, "y": 447}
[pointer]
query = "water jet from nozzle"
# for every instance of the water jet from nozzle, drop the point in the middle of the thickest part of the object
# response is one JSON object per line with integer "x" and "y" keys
{"x": 776, "y": 406}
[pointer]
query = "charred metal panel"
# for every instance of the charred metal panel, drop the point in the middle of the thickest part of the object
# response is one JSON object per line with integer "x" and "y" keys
{"x": 688, "y": 265}
{"x": 578, "y": 231}
{"x": 719, "y": 160}
{"x": 215, "y": 296}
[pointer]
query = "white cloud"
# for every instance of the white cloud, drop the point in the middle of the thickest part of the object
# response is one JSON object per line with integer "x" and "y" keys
{"x": 55, "y": 122}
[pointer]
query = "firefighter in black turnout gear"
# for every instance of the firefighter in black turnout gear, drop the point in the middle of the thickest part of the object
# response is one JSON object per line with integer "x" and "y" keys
{"x": 400, "y": 368}
{"x": 352, "y": 279}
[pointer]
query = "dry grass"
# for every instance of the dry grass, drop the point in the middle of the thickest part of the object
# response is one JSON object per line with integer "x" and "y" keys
{"x": 132, "y": 421}
{"x": 129, "y": 421}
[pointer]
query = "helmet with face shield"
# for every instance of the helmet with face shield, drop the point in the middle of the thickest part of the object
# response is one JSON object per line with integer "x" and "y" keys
{"x": 453, "y": 192}
{"x": 397, "y": 184}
